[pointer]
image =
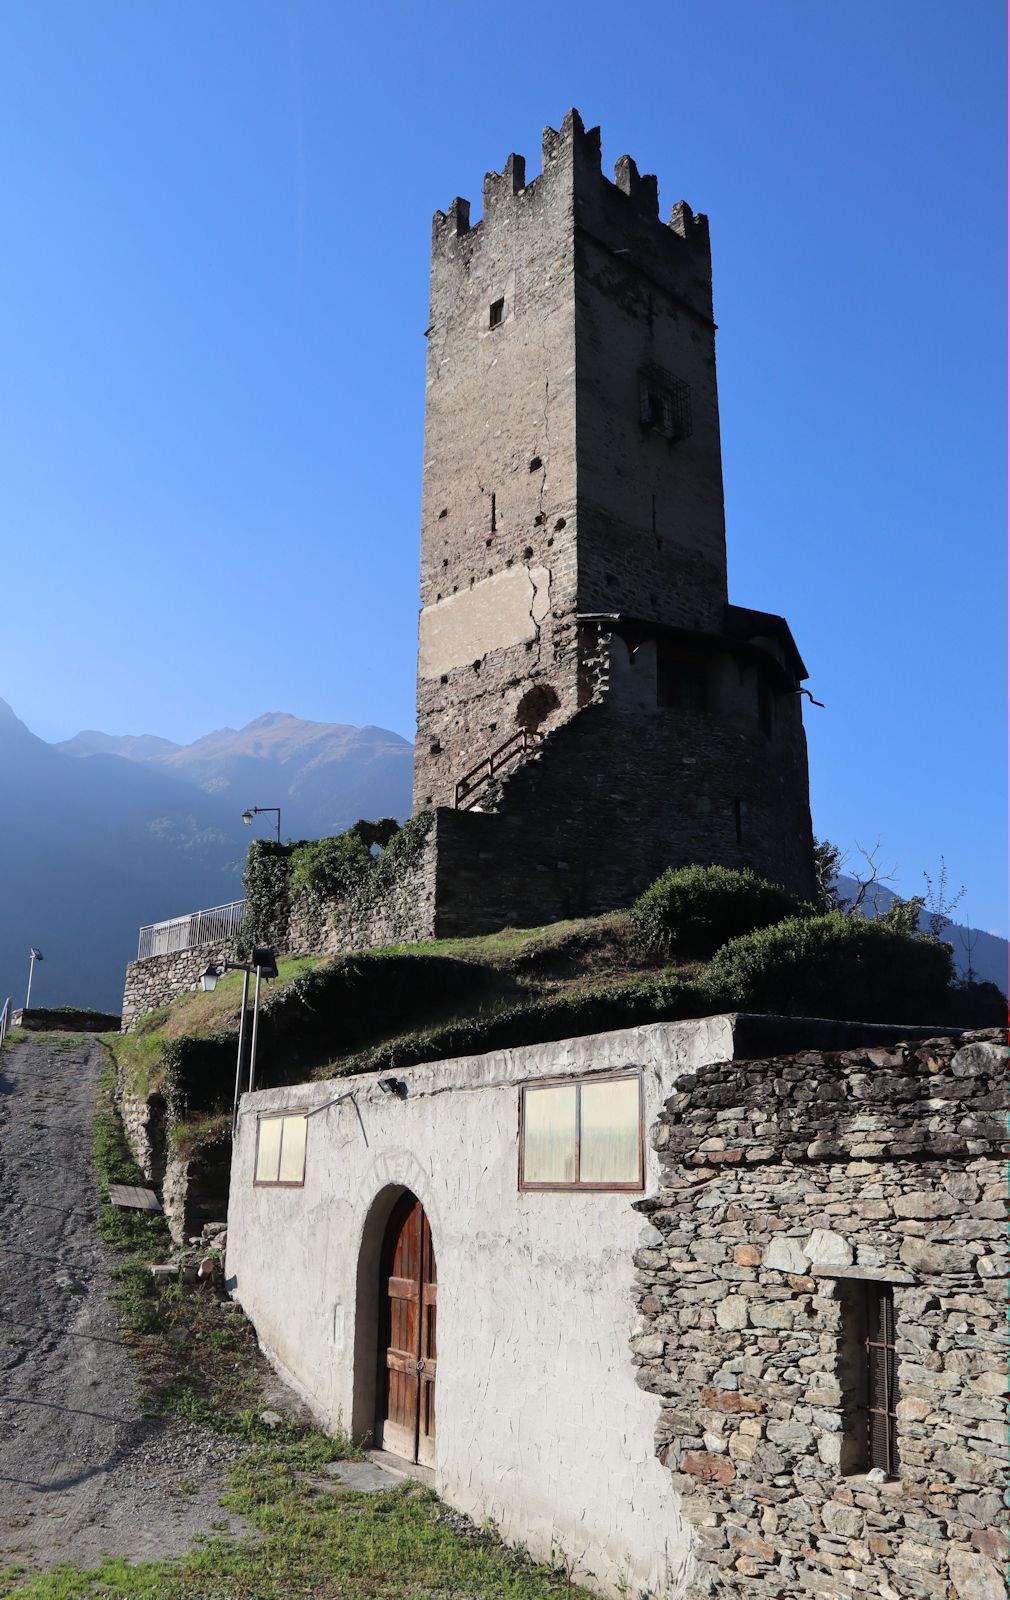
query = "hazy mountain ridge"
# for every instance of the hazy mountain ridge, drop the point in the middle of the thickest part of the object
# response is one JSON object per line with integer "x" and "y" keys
{"x": 103, "y": 833}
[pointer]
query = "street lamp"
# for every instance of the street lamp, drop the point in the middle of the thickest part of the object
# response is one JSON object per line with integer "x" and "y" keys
{"x": 255, "y": 811}
{"x": 36, "y": 956}
{"x": 264, "y": 965}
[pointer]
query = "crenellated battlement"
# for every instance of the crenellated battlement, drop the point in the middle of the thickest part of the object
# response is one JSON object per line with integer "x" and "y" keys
{"x": 576, "y": 149}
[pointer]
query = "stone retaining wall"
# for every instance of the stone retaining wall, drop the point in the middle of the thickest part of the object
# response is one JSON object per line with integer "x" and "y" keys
{"x": 786, "y": 1183}
{"x": 145, "y": 1124}
{"x": 160, "y": 979}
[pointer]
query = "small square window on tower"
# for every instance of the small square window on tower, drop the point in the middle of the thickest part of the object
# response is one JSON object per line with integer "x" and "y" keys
{"x": 664, "y": 404}
{"x": 681, "y": 679}
{"x": 497, "y": 314}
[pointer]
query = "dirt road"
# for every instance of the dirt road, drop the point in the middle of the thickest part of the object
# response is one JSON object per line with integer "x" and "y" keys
{"x": 83, "y": 1473}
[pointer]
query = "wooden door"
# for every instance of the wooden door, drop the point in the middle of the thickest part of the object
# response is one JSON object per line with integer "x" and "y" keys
{"x": 407, "y": 1311}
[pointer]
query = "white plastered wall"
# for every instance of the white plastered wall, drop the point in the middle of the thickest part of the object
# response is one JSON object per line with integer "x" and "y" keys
{"x": 540, "y": 1424}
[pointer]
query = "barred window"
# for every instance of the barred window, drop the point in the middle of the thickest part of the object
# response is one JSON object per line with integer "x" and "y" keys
{"x": 665, "y": 403}
{"x": 881, "y": 1380}
{"x": 868, "y": 1372}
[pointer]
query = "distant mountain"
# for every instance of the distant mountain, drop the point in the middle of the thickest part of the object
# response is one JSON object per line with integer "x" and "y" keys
{"x": 986, "y": 953}
{"x": 134, "y": 746}
{"x": 323, "y": 775}
{"x": 101, "y": 834}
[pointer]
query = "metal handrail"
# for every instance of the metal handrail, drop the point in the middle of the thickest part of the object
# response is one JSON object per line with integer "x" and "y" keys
{"x": 5, "y": 1020}
{"x": 483, "y": 773}
{"x": 198, "y": 927}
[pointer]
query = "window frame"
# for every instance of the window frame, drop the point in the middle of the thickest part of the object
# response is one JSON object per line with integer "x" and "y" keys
{"x": 275, "y": 1116}
{"x": 678, "y": 669}
{"x": 857, "y": 1355}
{"x": 664, "y": 404}
{"x": 531, "y": 1186}
{"x": 884, "y": 1363}
{"x": 499, "y": 307}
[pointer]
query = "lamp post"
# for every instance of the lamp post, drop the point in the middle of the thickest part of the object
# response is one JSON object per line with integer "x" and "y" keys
{"x": 36, "y": 956}
{"x": 264, "y": 965}
{"x": 255, "y": 811}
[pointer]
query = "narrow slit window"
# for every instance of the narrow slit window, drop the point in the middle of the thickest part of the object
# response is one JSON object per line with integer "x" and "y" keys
{"x": 496, "y": 315}
{"x": 881, "y": 1379}
{"x": 280, "y": 1150}
{"x": 765, "y": 702}
{"x": 585, "y": 1134}
{"x": 868, "y": 1373}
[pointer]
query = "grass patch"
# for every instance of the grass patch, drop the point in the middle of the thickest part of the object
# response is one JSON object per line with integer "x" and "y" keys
{"x": 579, "y": 1009}
{"x": 199, "y": 1132}
{"x": 396, "y": 1545}
{"x": 140, "y": 1054}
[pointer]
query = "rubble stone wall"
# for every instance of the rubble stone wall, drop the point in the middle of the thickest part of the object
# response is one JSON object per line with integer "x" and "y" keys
{"x": 786, "y": 1185}
{"x": 161, "y": 979}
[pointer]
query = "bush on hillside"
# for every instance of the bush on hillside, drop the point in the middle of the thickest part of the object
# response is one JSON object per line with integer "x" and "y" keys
{"x": 834, "y": 966}
{"x": 694, "y": 910}
{"x": 977, "y": 1005}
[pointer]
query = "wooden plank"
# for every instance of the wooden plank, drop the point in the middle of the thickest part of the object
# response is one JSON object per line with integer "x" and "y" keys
{"x": 130, "y": 1194}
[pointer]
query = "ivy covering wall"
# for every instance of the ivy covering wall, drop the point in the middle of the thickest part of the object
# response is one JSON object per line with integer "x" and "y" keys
{"x": 370, "y": 885}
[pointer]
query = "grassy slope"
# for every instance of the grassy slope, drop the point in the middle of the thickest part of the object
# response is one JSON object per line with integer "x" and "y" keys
{"x": 512, "y": 987}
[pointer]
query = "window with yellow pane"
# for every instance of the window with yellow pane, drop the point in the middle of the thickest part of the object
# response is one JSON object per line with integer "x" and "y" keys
{"x": 582, "y": 1133}
{"x": 280, "y": 1149}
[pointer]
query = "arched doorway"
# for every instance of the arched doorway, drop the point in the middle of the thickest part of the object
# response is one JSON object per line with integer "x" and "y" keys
{"x": 408, "y": 1295}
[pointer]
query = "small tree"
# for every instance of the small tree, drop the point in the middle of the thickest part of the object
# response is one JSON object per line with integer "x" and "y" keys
{"x": 939, "y": 901}
{"x": 872, "y": 874}
{"x": 827, "y": 865}
{"x": 902, "y": 916}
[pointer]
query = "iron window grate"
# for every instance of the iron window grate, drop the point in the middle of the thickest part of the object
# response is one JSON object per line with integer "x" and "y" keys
{"x": 665, "y": 402}
{"x": 881, "y": 1379}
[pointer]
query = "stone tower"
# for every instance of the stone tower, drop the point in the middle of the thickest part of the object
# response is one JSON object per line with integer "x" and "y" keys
{"x": 591, "y": 708}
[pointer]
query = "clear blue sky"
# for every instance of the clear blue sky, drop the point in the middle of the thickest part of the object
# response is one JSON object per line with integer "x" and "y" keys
{"x": 214, "y": 282}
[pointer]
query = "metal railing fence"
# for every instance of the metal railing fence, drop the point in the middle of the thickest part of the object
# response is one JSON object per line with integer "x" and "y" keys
{"x": 182, "y": 933}
{"x": 469, "y": 787}
{"x": 5, "y": 1020}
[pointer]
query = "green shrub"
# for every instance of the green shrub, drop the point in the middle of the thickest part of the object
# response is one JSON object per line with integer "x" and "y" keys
{"x": 834, "y": 966}
{"x": 333, "y": 873}
{"x": 977, "y": 1005}
{"x": 694, "y": 910}
{"x": 330, "y": 868}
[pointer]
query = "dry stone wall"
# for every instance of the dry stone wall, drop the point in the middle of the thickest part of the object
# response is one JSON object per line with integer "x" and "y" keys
{"x": 161, "y": 979}
{"x": 788, "y": 1184}
{"x": 305, "y": 924}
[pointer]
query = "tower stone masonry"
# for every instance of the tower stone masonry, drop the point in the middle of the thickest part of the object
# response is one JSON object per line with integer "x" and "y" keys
{"x": 591, "y": 708}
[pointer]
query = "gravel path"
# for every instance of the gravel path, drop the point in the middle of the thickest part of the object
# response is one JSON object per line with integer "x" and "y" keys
{"x": 83, "y": 1473}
